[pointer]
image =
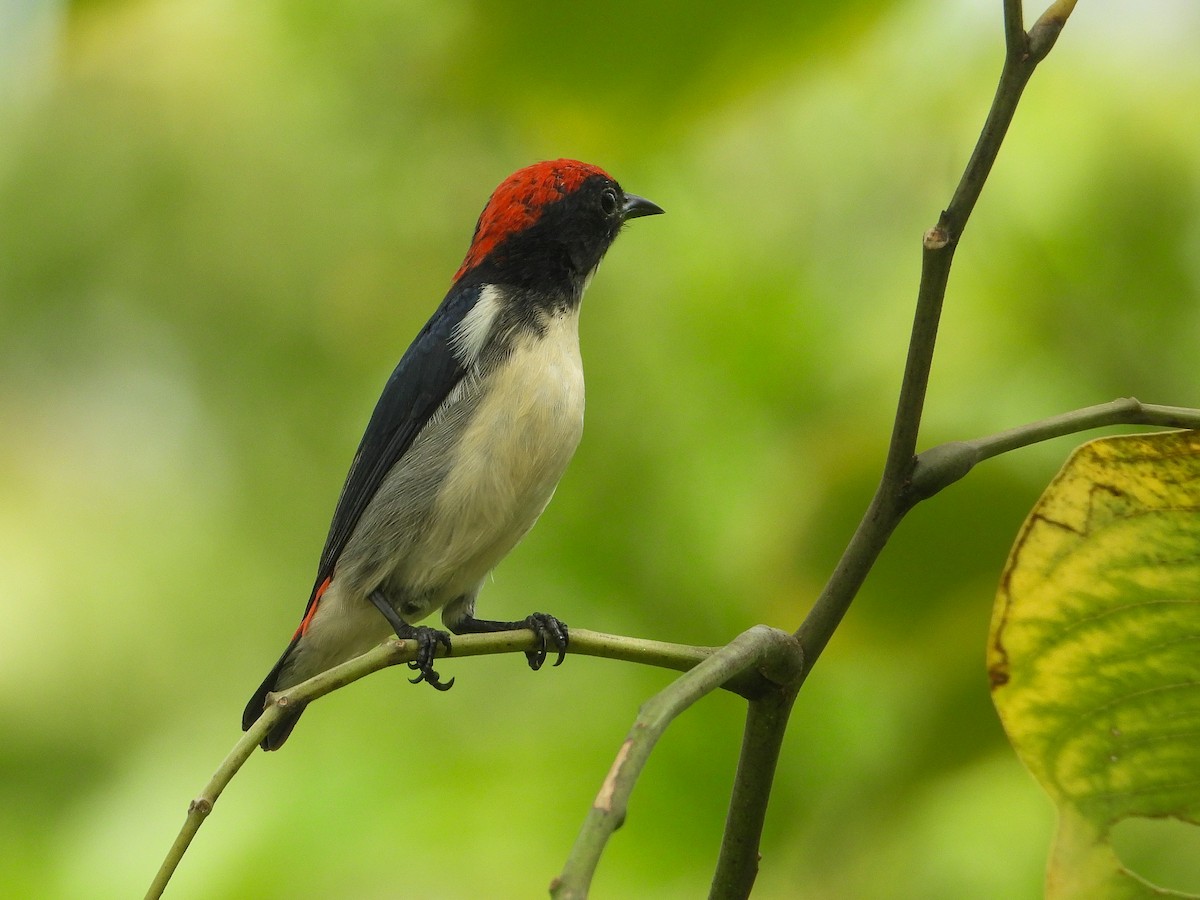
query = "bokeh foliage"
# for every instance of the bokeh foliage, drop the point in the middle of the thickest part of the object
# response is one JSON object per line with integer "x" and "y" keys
{"x": 221, "y": 223}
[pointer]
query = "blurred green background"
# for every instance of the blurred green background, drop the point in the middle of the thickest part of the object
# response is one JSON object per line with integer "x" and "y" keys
{"x": 220, "y": 225}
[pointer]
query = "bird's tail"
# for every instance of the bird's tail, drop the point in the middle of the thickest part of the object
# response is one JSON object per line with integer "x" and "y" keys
{"x": 254, "y": 709}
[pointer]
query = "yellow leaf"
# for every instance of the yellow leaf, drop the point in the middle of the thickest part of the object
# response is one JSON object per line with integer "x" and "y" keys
{"x": 1094, "y": 651}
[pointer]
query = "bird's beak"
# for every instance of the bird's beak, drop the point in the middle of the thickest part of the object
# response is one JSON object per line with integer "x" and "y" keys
{"x": 639, "y": 206}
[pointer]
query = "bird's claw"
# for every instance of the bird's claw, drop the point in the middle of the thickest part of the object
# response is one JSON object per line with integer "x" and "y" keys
{"x": 428, "y": 640}
{"x": 550, "y": 632}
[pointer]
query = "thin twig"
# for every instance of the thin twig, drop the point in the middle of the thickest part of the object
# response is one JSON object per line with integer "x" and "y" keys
{"x": 888, "y": 506}
{"x": 759, "y": 648}
{"x": 199, "y": 808}
{"x": 940, "y": 466}
{"x": 1015, "y": 39}
{"x": 891, "y": 501}
{"x": 679, "y": 657}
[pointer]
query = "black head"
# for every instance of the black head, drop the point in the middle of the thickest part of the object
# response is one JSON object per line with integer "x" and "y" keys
{"x": 547, "y": 226}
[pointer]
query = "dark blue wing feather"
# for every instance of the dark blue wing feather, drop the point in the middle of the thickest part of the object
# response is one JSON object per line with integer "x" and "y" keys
{"x": 421, "y": 381}
{"x": 419, "y": 384}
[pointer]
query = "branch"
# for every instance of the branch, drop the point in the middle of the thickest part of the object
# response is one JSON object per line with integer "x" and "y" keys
{"x": 1015, "y": 39}
{"x": 762, "y": 740}
{"x": 761, "y": 661}
{"x": 941, "y": 466}
{"x": 748, "y": 683}
{"x": 767, "y": 719}
{"x": 199, "y": 808}
{"x": 773, "y": 652}
{"x": 892, "y": 501}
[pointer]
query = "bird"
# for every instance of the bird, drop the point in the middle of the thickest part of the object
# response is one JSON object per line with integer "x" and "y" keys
{"x": 468, "y": 440}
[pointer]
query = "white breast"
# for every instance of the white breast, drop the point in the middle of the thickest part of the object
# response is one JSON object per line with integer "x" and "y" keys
{"x": 509, "y": 460}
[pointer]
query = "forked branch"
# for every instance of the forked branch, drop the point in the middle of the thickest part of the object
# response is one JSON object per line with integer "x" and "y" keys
{"x": 774, "y": 653}
{"x": 748, "y": 682}
{"x": 893, "y": 498}
{"x": 763, "y": 665}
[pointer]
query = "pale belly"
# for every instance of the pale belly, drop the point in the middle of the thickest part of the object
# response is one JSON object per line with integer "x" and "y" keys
{"x": 515, "y": 442}
{"x": 506, "y": 465}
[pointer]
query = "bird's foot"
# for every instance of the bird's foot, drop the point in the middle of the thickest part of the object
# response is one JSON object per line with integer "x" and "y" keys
{"x": 551, "y": 633}
{"x": 428, "y": 639}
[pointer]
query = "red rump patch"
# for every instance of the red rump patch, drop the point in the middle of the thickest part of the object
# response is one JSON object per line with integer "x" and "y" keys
{"x": 518, "y": 202}
{"x": 312, "y": 608}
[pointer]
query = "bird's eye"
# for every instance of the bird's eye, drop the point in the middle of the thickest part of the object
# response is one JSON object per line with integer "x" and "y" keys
{"x": 608, "y": 202}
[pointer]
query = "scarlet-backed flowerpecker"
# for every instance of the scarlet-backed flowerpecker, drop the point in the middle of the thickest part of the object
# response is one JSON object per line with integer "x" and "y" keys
{"x": 469, "y": 439}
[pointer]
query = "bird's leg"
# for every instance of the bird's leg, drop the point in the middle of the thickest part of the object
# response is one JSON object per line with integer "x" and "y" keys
{"x": 550, "y": 631}
{"x": 427, "y": 640}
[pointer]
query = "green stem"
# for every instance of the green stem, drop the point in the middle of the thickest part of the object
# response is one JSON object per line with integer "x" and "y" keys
{"x": 892, "y": 498}
{"x": 939, "y": 467}
{"x": 762, "y": 741}
{"x": 775, "y": 652}
{"x": 679, "y": 657}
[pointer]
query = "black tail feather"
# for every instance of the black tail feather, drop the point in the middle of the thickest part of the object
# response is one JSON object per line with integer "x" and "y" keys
{"x": 254, "y": 709}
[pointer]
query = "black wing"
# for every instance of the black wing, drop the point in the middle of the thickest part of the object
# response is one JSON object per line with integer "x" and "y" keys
{"x": 421, "y": 381}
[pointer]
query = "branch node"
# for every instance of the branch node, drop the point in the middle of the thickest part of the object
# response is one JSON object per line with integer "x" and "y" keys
{"x": 1046, "y": 29}
{"x": 201, "y": 806}
{"x": 936, "y": 238}
{"x": 1042, "y": 38}
{"x": 783, "y": 660}
{"x": 939, "y": 467}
